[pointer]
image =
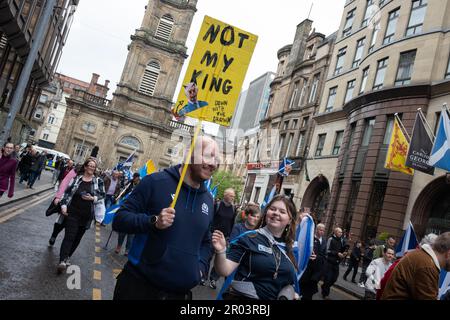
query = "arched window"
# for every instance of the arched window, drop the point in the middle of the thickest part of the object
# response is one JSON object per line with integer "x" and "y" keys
{"x": 51, "y": 119}
{"x": 150, "y": 78}
{"x": 165, "y": 26}
{"x": 131, "y": 142}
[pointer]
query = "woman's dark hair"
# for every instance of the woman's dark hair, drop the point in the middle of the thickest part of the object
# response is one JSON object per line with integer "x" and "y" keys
{"x": 289, "y": 233}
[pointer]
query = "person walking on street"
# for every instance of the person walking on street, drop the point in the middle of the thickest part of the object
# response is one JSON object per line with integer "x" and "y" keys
{"x": 65, "y": 169}
{"x": 264, "y": 261}
{"x": 313, "y": 273}
{"x": 355, "y": 258}
{"x": 335, "y": 253}
{"x": 375, "y": 272}
{"x": 25, "y": 164}
{"x": 416, "y": 276}
{"x": 58, "y": 166}
{"x": 16, "y": 153}
{"x": 224, "y": 216}
{"x": 121, "y": 238}
{"x": 251, "y": 222}
{"x": 8, "y": 165}
{"x": 63, "y": 185}
{"x": 77, "y": 206}
{"x": 112, "y": 187}
{"x": 171, "y": 247}
{"x": 367, "y": 258}
{"x": 34, "y": 169}
{"x": 378, "y": 253}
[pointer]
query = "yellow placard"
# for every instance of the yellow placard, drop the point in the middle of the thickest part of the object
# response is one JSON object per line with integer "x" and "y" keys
{"x": 215, "y": 73}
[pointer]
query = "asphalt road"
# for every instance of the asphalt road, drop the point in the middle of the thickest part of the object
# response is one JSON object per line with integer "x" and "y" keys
{"x": 28, "y": 264}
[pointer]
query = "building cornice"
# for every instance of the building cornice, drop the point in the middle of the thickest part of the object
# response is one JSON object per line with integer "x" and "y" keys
{"x": 330, "y": 116}
{"x": 175, "y": 49}
{"x": 178, "y": 5}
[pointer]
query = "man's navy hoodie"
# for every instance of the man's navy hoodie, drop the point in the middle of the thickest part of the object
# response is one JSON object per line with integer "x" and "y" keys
{"x": 169, "y": 259}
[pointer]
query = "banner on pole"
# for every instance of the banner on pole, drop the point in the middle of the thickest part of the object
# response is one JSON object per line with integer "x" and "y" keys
{"x": 420, "y": 148}
{"x": 398, "y": 148}
{"x": 215, "y": 73}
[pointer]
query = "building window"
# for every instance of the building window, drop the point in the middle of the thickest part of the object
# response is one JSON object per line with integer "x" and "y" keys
{"x": 89, "y": 127}
{"x": 405, "y": 68}
{"x": 338, "y": 142}
{"x": 301, "y": 139}
{"x": 374, "y": 210}
{"x": 51, "y": 119}
{"x": 340, "y": 61}
{"x": 302, "y": 94}
{"x": 288, "y": 149}
{"x": 164, "y": 29}
{"x": 286, "y": 125}
{"x": 376, "y": 30}
{"x": 349, "y": 22}
{"x": 305, "y": 122}
{"x": 388, "y": 132}
{"x": 294, "y": 124}
{"x": 331, "y": 99}
{"x": 368, "y": 13}
{"x": 370, "y": 123}
{"x": 392, "y": 25}
{"x": 349, "y": 92}
{"x": 150, "y": 78}
{"x": 39, "y": 113}
{"x": 312, "y": 95}
{"x": 81, "y": 151}
{"x": 320, "y": 144}
{"x": 131, "y": 141}
{"x": 381, "y": 71}
{"x": 43, "y": 98}
{"x": 418, "y": 10}
{"x": 280, "y": 146}
{"x": 257, "y": 192}
{"x": 364, "y": 80}
{"x": 45, "y": 136}
{"x": 294, "y": 96}
{"x": 359, "y": 52}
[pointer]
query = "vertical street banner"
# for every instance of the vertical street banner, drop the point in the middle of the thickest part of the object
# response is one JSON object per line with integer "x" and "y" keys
{"x": 215, "y": 73}
{"x": 397, "y": 152}
{"x": 440, "y": 155}
{"x": 420, "y": 148}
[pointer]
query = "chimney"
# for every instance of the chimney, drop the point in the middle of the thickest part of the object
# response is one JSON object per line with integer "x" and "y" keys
{"x": 94, "y": 78}
{"x": 106, "y": 83}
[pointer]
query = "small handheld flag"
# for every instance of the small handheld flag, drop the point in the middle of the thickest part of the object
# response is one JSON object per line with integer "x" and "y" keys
{"x": 408, "y": 242}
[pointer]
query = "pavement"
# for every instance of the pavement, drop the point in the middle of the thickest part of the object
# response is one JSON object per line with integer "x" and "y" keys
{"x": 21, "y": 191}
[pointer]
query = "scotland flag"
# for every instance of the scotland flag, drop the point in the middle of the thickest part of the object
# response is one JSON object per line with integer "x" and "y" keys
{"x": 268, "y": 197}
{"x": 444, "y": 283}
{"x": 303, "y": 246}
{"x": 440, "y": 155}
{"x": 408, "y": 242}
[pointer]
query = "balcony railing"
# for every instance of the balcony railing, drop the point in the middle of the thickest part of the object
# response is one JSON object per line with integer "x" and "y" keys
{"x": 91, "y": 98}
{"x": 182, "y": 126}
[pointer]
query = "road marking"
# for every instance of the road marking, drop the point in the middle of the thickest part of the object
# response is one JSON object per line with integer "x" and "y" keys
{"x": 97, "y": 233}
{"x": 97, "y": 240}
{"x": 17, "y": 211}
{"x": 97, "y": 275}
{"x": 96, "y": 294}
{"x": 98, "y": 249}
{"x": 97, "y": 260}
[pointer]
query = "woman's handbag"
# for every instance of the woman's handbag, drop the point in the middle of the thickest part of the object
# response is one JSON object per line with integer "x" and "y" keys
{"x": 99, "y": 210}
{"x": 53, "y": 208}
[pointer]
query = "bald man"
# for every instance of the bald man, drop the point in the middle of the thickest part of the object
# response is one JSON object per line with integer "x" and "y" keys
{"x": 335, "y": 252}
{"x": 171, "y": 248}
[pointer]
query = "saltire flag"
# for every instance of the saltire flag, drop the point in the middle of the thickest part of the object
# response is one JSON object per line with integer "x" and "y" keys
{"x": 408, "y": 242}
{"x": 303, "y": 246}
{"x": 212, "y": 190}
{"x": 444, "y": 283}
{"x": 440, "y": 155}
{"x": 268, "y": 197}
{"x": 126, "y": 165}
{"x": 285, "y": 167}
{"x": 420, "y": 148}
{"x": 397, "y": 152}
{"x": 110, "y": 213}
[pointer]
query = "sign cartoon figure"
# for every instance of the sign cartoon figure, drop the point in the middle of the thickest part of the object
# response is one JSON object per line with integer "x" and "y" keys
{"x": 193, "y": 104}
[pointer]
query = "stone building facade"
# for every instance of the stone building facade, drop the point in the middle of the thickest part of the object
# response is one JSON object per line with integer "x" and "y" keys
{"x": 138, "y": 119}
{"x": 18, "y": 21}
{"x": 389, "y": 57}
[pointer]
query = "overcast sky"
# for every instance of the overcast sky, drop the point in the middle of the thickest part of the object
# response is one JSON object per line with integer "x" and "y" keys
{"x": 101, "y": 32}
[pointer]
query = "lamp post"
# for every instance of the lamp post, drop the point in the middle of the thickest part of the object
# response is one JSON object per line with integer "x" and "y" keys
{"x": 88, "y": 127}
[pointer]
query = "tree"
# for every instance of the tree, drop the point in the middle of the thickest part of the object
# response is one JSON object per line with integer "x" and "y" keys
{"x": 226, "y": 180}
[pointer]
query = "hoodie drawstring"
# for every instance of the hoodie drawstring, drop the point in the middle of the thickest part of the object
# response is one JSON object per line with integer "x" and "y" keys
{"x": 193, "y": 202}
{"x": 187, "y": 201}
